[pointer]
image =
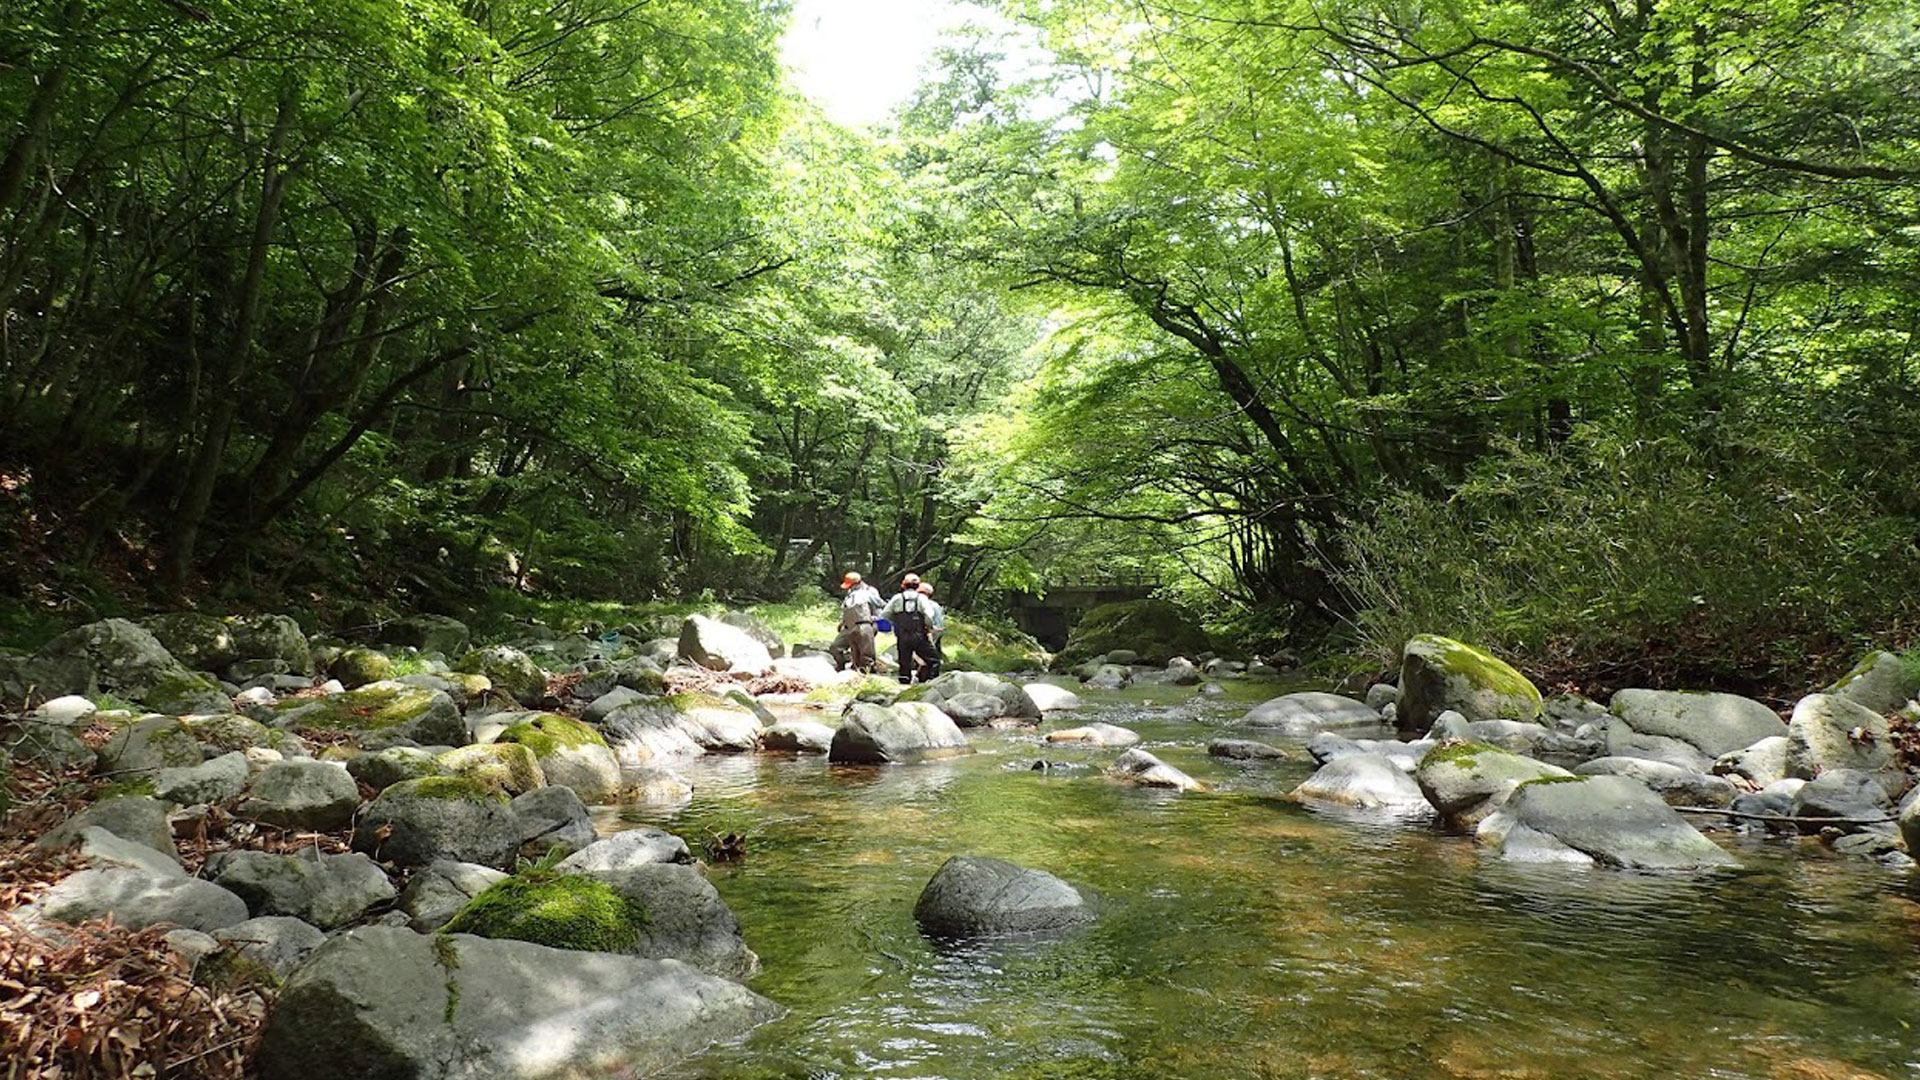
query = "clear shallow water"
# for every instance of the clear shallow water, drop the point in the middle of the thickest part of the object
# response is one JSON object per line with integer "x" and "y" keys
{"x": 1244, "y": 936}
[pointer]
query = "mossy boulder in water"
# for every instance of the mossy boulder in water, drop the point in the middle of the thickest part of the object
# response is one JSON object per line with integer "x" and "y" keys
{"x": 1611, "y": 820}
{"x": 427, "y": 717}
{"x": 1156, "y": 630}
{"x": 563, "y": 911}
{"x": 571, "y": 754}
{"x": 1005, "y": 699}
{"x": 908, "y": 732}
{"x": 1466, "y": 781}
{"x": 1363, "y": 781}
{"x": 510, "y": 671}
{"x": 1438, "y": 673}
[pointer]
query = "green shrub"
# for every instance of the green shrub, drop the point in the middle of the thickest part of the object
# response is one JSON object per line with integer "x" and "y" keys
{"x": 1748, "y": 567}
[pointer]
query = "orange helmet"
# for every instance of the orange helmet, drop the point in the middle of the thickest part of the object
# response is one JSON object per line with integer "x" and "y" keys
{"x": 926, "y": 588}
{"x": 910, "y": 581}
{"x": 850, "y": 580}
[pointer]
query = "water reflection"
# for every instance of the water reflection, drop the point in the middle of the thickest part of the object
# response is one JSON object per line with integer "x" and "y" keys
{"x": 1245, "y": 936}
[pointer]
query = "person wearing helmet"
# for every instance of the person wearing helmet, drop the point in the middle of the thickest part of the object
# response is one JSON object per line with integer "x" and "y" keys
{"x": 936, "y": 624}
{"x": 912, "y": 630}
{"x": 859, "y": 608}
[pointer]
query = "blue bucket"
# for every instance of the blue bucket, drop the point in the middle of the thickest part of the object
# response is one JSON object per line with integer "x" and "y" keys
{"x": 883, "y": 626}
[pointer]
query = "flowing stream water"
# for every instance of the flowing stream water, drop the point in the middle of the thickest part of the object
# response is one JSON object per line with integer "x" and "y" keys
{"x": 1241, "y": 935}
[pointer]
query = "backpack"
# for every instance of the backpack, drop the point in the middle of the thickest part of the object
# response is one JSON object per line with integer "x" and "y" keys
{"x": 911, "y": 619}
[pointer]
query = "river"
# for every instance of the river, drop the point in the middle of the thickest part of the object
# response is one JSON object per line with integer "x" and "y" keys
{"x": 1244, "y": 936}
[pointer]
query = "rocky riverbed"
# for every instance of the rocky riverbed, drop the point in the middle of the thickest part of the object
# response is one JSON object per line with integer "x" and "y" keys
{"x": 385, "y": 838}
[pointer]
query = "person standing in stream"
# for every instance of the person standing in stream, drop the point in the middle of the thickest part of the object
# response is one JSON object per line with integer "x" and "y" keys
{"x": 912, "y": 630}
{"x": 859, "y": 608}
{"x": 936, "y": 627}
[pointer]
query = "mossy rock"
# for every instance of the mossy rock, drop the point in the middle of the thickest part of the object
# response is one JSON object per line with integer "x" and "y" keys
{"x": 562, "y": 911}
{"x": 186, "y": 693}
{"x": 426, "y": 716}
{"x": 272, "y": 637}
{"x": 1466, "y": 781}
{"x": 149, "y": 744}
{"x": 201, "y": 642}
{"x": 972, "y": 647}
{"x": 229, "y": 732}
{"x": 1157, "y": 630}
{"x": 358, "y": 667}
{"x": 1438, "y": 673}
{"x": 508, "y": 767}
{"x": 510, "y": 671}
{"x": 548, "y": 733}
{"x": 843, "y": 692}
{"x": 414, "y": 822}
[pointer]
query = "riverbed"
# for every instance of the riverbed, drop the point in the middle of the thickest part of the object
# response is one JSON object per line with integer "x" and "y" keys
{"x": 1241, "y": 935}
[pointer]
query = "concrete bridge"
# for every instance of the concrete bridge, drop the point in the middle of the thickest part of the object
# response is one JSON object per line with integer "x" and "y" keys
{"x": 1049, "y": 617}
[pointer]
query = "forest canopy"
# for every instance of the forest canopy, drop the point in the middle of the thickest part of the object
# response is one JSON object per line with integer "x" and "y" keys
{"x": 1581, "y": 330}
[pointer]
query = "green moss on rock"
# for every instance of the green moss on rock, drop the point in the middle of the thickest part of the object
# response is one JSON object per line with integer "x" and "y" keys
{"x": 1461, "y": 754}
{"x": 358, "y": 667}
{"x": 1155, "y": 629}
{"x": 547, "y": 733}
{"x": 1482, "y": 667}
{"x": 562, "y": 911}
{"x": 1553, "y": 780}
{"x": 448, "y": 787}
{"x": 501, "y": 766}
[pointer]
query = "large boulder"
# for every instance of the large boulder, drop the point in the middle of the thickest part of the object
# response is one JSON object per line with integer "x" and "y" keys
{"x": 510, "y": 671}
{"x": 624, "y": 850}
{"x": 1465, "y": 782}
{"x": 1612, "y": 820}
{"x": 437, "y": 892}
{"x": 136, "y": 818}
{"x": 216, "y": 780}
{"x": 906, "y": 732}
{"x": 381, "y": 769}
{"x": 1855, "y": 799}
{"x": 1365, "y": 782}
{"x": 327, "y": 891}
{"x": 416, "y": 822}
{"x": 1244, "y": 750}
{"x": 570, "y": 754}
{"x": 1678, "y": 786}
{"x": 301, "y": 794}
{"x": 718, "y": 724}
{"x": 1142, "y": 769}
{"x": 1012, "y": 699}
{"x": 759, "y": 631}
{"x": 1438, "y": 673}
{"x": 357, "y": 667}
{"x": 277, "y": 943}
{"x": 716, "y": 646}
{"x": 270, "y": 638}
{"x": 1758, "y": 765}
{"x": 504, "y": 766}
{"x": 651, "y": 730}
{"x": 1882, "y": 683}
{"x": 1713, "y": 724}
{"x": 974, "y": 896}
{"x": 137, "y": 899}
{"x": 387, "y": 1002}
{"x": 147, "y": 745}
{"x": 1156, "y": 630}
{"x": 1095, "y": 735}
{"x": 662, "y": 911}
{"x": 114, "y": 656}
{"x": 550, "y": 820}
{"x": 797, "y": 737}
{"x": 390, "y": 709}
{"x": 1312, "y": 712}
{"x": 1050, "y": 698}
{"x": 200, "y": 642}
{"x": 1831, "y": 731}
